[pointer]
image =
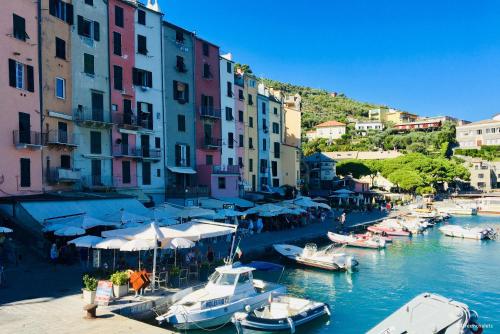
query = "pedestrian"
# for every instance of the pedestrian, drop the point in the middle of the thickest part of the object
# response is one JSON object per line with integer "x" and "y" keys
{"x": 210, "y": 254}
{"x": 342, "y": 220}
{"x": 54, "y": 254}
{"x": 259, "y": 225}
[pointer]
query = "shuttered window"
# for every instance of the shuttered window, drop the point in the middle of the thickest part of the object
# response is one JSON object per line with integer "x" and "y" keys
{"x": 88, "y": 63}
{"x": 89, "y": 29}
{"x": 95, "y": 142}
{"x": 274, "y": 168}
{"x": 61, "y": 10}
{"x": 25, "y": 172}
{"x": 21, "y": 76}
{"x": 60, "y": 48}
{"x": 142, "y": 77}
{"x": 19, "y": 27}
{"x": 230, "y": 140}
{"x": 117, "y": 43}
{"x": 119, "y": 16}
{"x": 117, "y": 77}
{"x": 181, "y": 123}
{"x": 126, "y": 172}
{"x": 146, "y": 173}
{"x": 142, "y": 45}
{"x": 277, "y": 150}
{"x": 65, "y": 161}
{"x": 141, "y": 17}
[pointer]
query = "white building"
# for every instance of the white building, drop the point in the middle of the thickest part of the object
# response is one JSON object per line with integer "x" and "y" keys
{"x": 329, "y": 130}
{"x": 228, "y": 116}
{"x": 365, "y": 126}
{"x": 481, "y": 133}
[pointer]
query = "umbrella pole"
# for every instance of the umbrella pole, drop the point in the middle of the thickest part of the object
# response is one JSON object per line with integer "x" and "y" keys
{"x": 139, "y": 260}
{"x": 154, "y": 267}
{"x": 175, "y": 257}
{"x": 88, "y": 257}
{"x": 114, "y": 258}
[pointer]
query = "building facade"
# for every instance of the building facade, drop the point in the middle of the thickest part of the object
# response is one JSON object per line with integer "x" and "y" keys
{"x": 391, "y": 115}
{"x": 321, "y": 171}
{"x": 290, "y": 148}
{"x": 241, "y": 117}
{"x": 21, "y": 138}
{"x": 251, "y": 133}
{"x": 275, "y": 126}
{"x": 364, "y": 127}
{"x": 264, "y": 168}
{"x": 477, "y": 134}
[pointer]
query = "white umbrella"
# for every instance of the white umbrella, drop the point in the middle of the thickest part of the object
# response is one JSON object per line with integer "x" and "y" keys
{"x": 179, "y": 243}
{"x": 55, "y": 227}
{"x": 168, "y": 211}
{"x": 5, "y": 230}
{"x": 132, "y": 225}
{"x": 138, "y": 245}
{"x": 69, "y": 231}
{"x": 124, "y": 217}
{"x": 230, "y": 213}
{"x": 111, "y": 243}
{"x": 194, "y": 212}
{"x": 87, "y": 241}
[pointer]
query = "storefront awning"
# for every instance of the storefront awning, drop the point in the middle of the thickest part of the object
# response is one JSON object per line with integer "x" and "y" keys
{"x": 182, "y": 170}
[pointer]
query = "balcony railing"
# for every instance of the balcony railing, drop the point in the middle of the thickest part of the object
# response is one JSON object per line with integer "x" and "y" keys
{"x": 152, "y": 153}
{"x": 181, "y": 163}
{"x": 226, "y": 169}
{"x": 187, "y": 192}
{"x": 145, "y": 124}
{"x": 28, "y": 139}
{"x": 211, "y": 143}
{"x": 97, "y": 181}
{"x": 63, "y": 175}
{"x": 61, "y": 138}
{"x": 210, "y": 112}
{"x": 127, "y": 151}
{"x": 125, "y": 120}
{"x": 90, "y": 117}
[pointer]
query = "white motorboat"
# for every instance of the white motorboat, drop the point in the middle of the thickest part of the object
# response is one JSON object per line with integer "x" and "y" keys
{"x": 327, "y": 258}
{"x": 353, "y": 241}
{"x": 284, "y": 313}
{"x": 457, "y": 210}
{"x": 230, "y": 289}
{"x": 430, "y": 313}
{"x": 477, "y": 233}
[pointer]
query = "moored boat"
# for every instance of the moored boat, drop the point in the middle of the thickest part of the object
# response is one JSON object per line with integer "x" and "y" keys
{"x": 283, "y": 313}
{"x": 353, "y": 241}
{"x": 390, "y": 231}
{"x": 477, "y": 233}
{"x": 367, "y": 235}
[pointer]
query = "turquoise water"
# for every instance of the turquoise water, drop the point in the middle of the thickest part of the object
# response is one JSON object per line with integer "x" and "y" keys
{"x": 465, "y": 270}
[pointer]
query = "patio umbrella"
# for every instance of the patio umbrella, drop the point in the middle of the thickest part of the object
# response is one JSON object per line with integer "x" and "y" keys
{"x": 193, "y": 212}
{"x": 69, "y": 231}
{"x": 5, "y": 230}
{"x": 179, "y": 243}
{"x": 168, "y": 211}
{"x": 230, "y": 213}
{"x": 111, "y": 243}
{"x": 137, "y": 245}
{"x": 54, "y": 227}
{"x": 123, "y": 217}
{"x": 86, "y": 241}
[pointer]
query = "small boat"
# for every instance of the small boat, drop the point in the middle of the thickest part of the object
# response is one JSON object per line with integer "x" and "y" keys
{"x": 230, "y": 289}
{"x": 326, "y": 259}
{"x": 352, "y": 241}
{"x": 430, "y": 313}
{"x": 477, "y": 233}
{"x": 457, "y": 210}
{"x": 283, "y": 313}
{"x": 367, "y": 235}
{"x": 390, "y": 231}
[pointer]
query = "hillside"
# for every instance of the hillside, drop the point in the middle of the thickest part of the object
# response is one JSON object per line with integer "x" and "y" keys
{"x": 319, "y": 106}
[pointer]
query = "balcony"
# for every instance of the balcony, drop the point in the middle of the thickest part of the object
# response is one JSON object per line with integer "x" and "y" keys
{"x": 92, "y": 118}
{"x": 126, "y": 121}
{"x": 61, "y": 139}
{"x": 126, "y": 151}
{"x": 145, "y": 125}
{"x": 63, "y": 175}
{"x": 28, "y": 139}
{"x": 226, "y": 169}
{"x": 210, "y": 112}
{"x": 153, "y": 153}
{"x": 96, "y": 182}
{"x": 210, "y": 143}
{"x": 187, "y": 192}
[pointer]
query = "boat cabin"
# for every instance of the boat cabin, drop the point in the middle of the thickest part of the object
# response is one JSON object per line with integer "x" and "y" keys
{"x": 233, "y": 281}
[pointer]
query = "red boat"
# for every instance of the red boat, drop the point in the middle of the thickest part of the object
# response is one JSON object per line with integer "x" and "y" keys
{"x": 388, "y": 231}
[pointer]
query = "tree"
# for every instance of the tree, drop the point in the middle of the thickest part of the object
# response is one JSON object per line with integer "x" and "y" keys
{"x": 406, "y": 179}
{"x": 243, "y": 67}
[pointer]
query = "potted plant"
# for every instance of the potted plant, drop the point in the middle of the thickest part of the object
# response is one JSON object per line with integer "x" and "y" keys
{"x": 120, "y": 283}
{"x": 204, "y": 271}
{"x": 174, "y": 277}
{"x": 89, "y": 288}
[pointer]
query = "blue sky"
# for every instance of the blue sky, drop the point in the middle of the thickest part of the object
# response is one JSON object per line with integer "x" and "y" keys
{"x": 429, "y": 57}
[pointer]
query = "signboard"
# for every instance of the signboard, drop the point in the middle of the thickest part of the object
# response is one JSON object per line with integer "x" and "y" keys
{"x": 104, "y": 292}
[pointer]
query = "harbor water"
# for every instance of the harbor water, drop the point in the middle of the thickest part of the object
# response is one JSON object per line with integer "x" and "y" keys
{"x": 465, "y": 270}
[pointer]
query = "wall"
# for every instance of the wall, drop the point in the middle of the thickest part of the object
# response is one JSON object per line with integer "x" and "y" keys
{"x": 264, "y": 174}
{"x": 251, "y": 154}
{"x": 232, "y": 186}
{"x": 275, "y": 105}
{"x": 228, "y": 101}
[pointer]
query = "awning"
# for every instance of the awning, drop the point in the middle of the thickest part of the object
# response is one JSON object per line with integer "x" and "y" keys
{"x": 182, "y": 170}
{"x": 242, "y": 203}
{"x": 211, "y": 203}
{"x": 137, "y": 193}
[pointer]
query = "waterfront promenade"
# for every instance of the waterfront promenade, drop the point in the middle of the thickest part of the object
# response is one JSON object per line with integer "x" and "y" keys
{"x": 41, "y": 299}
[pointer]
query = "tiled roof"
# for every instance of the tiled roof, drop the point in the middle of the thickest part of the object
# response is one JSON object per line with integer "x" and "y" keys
{"x": 329, "y": 124}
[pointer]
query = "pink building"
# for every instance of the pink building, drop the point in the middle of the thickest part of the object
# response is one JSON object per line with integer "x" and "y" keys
{"x": 122, "y": 59}
{"x": 207, "y": 110}
{"x": 20, "y": 135}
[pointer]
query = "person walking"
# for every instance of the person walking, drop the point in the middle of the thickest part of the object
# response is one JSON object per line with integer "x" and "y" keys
{"x": 54, "y": 254}
{"x": 342, "y": 220}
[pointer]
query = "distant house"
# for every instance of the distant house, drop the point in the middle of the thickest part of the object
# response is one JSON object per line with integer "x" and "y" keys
{"x": 478, "y": 134}
{"x": 363, "y": 155}
{"x": 364, "y": 127}
{"x": 391, "y": 115}
{"x": 320, "y": 171}
{"x": 328, "y": 130}
{"x": 425, "y": 123}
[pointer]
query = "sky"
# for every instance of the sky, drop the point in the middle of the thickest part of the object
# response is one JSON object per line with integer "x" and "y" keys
{"x": 430, "y": 57}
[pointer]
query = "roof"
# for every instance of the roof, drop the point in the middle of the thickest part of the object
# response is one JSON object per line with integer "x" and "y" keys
{"x": 329, "y": 124}
{"x": 229, "y": 269}
{"x": 176, "y": 27}
{"x": 486, "y": 121}
{"x": 181, "y": 170}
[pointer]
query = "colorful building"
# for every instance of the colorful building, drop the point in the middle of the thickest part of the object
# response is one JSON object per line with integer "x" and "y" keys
{"x": 330, "y": 130}
{"x": 391, "y": 115}
{"x": 264, "y": 170}
{"x": 241, "y": 116}
{"x": 251, "y": 133}
{"x": 21, "y": 138}
{"x": 290, "y": 148}
{"x": 275, "y": 126}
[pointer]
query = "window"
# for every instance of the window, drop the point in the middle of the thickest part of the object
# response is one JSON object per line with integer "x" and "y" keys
{"x": 61, "y": 10}
{"x": 276, "y": 182}
{"x": 276, "y": 128}
{"x": 229, "y": 67}
{"x": 95, "y": 142}
{"x": 274, "y": 168}
{"x": 206, "y": 71}
{"x": 142, "y": 45}
{"x": 229, "y": 89}
{"x": 117, "y": 77}
{"x": 157, "y": 142}
{"x": 264, "y": 144}
{"x": 145, "y": 114}
{"x": 179, "y": 36}
{"x": 240, "y": 162}
{"x": 229, "y": 114}
{"x": 206, "y": 50}
{"x": 275, "y": 110}
{"x": 146, "y": 173}
{"x": 89, "y": 2}
{"x": 158, "y": 172}
{"x": 181, "y": 123}
{"x": 250, "y": 122}
{"x": 241, "y": 141}
{"x": 221, "y": 182}
{"x": 119, "y": 16}
{"x": 481, "y": 176}
{"x": 209, "y": 160}
{"x": 19, "y": 27}
{"x": 60, "y": 48}
{"x": 117, "y": 43}
{"x": 141, "y": 17}
{"x": 263, "y": 166}
{"x": 250, "y": 99}
{"x": 60, "y": 88}
{"x": 179, "y": 65}
{"x": 230, "y": 161}
{"x": 263, "y": 108}
{"x": 65, "y": 161}
{"x": 240, "y": 94}
{"x": 181, "y": 92}
{"x": 230, "y": 140}
{"x": 250, "y": 165}
{"x": 250, "y": 142}
{"x": 142, "y": 77}
{"x": 182, "y": 155}
{"x": 240, "y": 116}
{"x": 126, "y": 172}
{"x": 479, "y": 132}
{"x": 88, "y": 63}
{"x": 88, "y": 28}
{"x": 277, "y": 150}
{"x": 25, "y": 172}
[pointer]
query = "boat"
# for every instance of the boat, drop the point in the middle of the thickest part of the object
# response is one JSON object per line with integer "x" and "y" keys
{"x": 457, "y": 210}
{"x": 327, "y": 258}
{"x": 390, "y": 231}
{"x": 477, "y": 233}
{"x": 230, "y": 289}
{"x": 366, "y": 235}
{"x": 353, "y": 241}
{"x": 430, "y": 313}
{"x": 283, "y": 313}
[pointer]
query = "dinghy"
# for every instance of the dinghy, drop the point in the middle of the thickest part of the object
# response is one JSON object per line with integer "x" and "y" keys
{"x": 477, "y": 233}
{"x": 353, "y": 241}
{"x": 367, "y": 235}
{"x": 327, "y": 259}
{"x": 430, "y": 313}
{"x": 390, "y": 231}
{"x": 284, "y": 313}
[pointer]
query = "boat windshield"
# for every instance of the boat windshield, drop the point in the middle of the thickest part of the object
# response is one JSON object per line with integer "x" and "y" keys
{"x": 223, "y": 279}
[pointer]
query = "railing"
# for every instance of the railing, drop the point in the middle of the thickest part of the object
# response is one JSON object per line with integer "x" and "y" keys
{"x": 57, "y": 137}
{"x": 125, "y": 120}
{"x": 187, "y": 192}
{"x": 122, "y": 150}
{"x": 226, "y": 169}
{"x": 145, "y": 124}
{"x": 152, "y": 153}
{"x": 181, "y": 163}
{"x": 22, "y": 138}
{"x": 208, "y": 111}
{"x": 212, "y": 143}
{"x": 96, "y": 181}
{"x": 59, "y": 174}
{"x": 92, "y": 116}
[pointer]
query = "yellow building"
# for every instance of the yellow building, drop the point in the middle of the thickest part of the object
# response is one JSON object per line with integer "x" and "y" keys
{"x": 290, "y": 148}
{"x": 391, "y": 115}
{"x": 251, "y": 134}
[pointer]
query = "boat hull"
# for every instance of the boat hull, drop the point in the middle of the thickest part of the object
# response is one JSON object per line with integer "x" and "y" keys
{"x": 355, "y": 243}
{"x": 389, "y": 231}
{"x": 293, "y": 253}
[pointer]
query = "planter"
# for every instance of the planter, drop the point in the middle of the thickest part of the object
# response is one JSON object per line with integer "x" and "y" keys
{"x": 120, "y": 290}
{"x": 88, "y": 296}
